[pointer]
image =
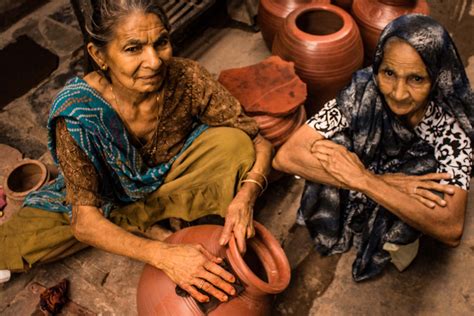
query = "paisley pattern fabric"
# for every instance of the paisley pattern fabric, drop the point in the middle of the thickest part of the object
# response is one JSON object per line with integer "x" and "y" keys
{"x": 338, "y": 219}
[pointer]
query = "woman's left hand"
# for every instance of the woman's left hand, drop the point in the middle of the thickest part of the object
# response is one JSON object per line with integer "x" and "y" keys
{"x": 340, "y": 163}
{"x": 239, "y": 221}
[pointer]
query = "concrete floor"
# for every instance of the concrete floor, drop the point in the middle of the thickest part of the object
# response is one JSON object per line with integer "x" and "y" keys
{"x": 439, "y": 282}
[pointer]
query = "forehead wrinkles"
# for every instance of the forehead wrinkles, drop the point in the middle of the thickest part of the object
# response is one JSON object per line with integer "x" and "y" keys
{"x": 139, "y": 27}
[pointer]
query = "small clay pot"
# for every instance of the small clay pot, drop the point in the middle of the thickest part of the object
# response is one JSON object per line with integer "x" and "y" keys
{"x": 325, "y": 44}
{"x": 271, "y": 14}
{"x": 264, "y": 270}
{"x": 345, "y": 4}
{"x": 25, "y": 177}
{"x": 372, "y": 17}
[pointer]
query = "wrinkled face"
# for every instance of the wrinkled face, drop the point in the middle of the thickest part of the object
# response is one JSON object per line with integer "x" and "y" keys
{"x": 138, "y": 55}
{"x": 404, "y": 81}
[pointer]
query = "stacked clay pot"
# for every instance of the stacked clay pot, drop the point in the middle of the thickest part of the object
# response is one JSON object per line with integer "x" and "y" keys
{"x": 372, "y": 16}
{"x": 278, "y": 129}
{"x": 272, "y": 13}
{"x": 271, "y": 93}
{"x": 325, "y": 44}
{"x": 263, "y": 271}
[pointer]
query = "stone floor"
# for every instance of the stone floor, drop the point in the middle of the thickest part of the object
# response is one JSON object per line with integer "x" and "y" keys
{"x": 439, "y": 282}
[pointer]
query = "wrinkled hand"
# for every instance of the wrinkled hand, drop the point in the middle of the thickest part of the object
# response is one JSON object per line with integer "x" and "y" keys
{"x": 340, "y": 163}
{"x": 239, "y": 221}
{"x": 419, "y": 187}
{"x": 192, "y": 267}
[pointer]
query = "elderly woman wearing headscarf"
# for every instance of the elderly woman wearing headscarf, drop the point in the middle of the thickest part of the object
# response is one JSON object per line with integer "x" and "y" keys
{"x": 390, "y": 157}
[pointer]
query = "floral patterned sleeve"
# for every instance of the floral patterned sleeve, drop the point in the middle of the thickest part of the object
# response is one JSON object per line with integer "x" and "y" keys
{"x": 329, "y": 120}
{"x": 217, "y": 106}
{"x": 82, "y": 181}
{"x": 451, "y": 144}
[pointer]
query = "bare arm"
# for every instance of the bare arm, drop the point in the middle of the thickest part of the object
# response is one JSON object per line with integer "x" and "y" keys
{"x": 186, "y": 265}
{"x": 307, "y": 154}
{"x": 240, "y": 212}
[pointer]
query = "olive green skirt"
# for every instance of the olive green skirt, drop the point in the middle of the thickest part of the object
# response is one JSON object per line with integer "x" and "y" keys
{"x": 202, "y": 181}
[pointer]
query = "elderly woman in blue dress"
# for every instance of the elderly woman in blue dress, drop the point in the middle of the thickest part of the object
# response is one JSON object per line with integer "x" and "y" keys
{"x": 390, "y": 157}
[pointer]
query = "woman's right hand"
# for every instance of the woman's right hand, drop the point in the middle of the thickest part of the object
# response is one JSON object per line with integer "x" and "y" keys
{"x": 192, "y": 267}
{"x": 421, "y": 187}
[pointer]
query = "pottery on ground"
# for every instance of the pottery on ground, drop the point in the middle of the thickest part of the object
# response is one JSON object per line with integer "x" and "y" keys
{"x": 271, "y": 14}
{"x": 373, "y": 15}
{"x": 25, "y": 177}
{"x": 264, "y": 270}
{"x": 325, "y": 44}
{"x": 277, "y": 130}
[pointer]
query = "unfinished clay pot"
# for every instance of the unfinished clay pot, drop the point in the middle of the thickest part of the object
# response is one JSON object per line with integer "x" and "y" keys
{"x": 25, "y": 177}
{"x": 345, "y": 4}
{"x": 372, "y": 17}
{"x": 263, "y": 271}
{"x": 271, "y": 14}
{"x": 325, "y": 44}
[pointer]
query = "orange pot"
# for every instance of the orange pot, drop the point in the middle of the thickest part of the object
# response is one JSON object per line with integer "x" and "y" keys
{"x": 325, "y": 44}
{"x": 372, "y": 17}
{"x": 272, "y": 13}
{"x": 263, "y": 271}
{"x": 25, "y": 177}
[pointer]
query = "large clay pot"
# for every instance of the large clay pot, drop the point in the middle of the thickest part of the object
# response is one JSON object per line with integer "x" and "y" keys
{"x": 271, "y": 14}
{"x": 372, "y": 17}
{"x": 345, "y": 4}
{"x": 264, "y": 270}
{"x": 324, "y": 43}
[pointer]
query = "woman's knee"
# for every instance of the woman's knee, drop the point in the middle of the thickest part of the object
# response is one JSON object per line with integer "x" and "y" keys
{"x": 233, "y": 143}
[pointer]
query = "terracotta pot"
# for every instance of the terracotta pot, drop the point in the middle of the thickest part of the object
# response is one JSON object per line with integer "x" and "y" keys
{"x": 271, "y": 14}
{"x": 278, "y": 129}
{"x": 372, "y": 17}
{"x": 263, "y": 271}
{"x": 324, "y": 43}
{"x": 25, "y": 177}
{"x": 345, "y": 4}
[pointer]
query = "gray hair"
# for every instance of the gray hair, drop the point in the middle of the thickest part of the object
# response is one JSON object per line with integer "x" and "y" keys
{"x": 106, "y": 14}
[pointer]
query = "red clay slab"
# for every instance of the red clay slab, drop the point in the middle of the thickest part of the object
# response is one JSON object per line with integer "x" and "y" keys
{"x": 270, "y": 87}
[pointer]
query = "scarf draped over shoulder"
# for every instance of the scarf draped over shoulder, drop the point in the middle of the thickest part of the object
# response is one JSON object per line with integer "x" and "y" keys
{"x": 99, "y": 132}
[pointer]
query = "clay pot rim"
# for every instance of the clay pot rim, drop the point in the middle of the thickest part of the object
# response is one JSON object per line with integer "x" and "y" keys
{"x": 19, "y": 195}
{"x": 282, "y": 11}
{"x": 279, "y": 256}
{"x": 348, "y": 23}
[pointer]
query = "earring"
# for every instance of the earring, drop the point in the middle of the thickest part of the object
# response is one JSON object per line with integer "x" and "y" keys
{"x": 104, "y": 67}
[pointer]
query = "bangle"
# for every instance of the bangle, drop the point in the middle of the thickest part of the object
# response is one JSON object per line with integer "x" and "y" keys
{"x": 265, "y": 186}
{"x": 256, "y": 182}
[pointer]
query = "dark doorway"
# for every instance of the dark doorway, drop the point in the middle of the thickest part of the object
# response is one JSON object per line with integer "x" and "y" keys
{"x": 24, "y": 65}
